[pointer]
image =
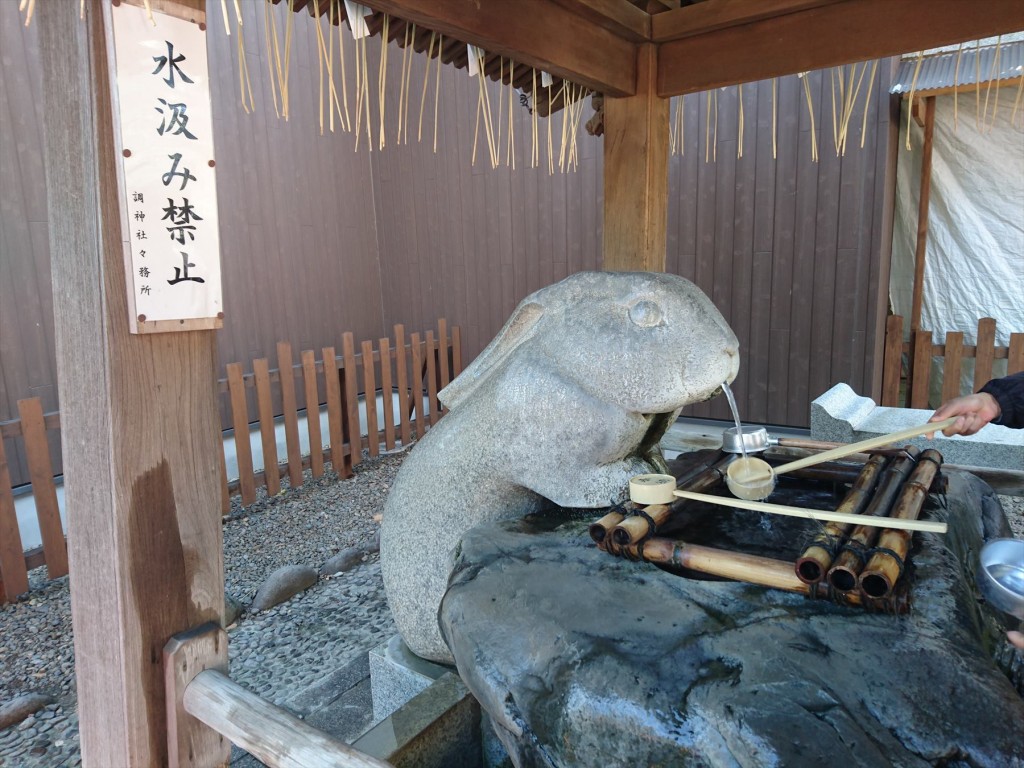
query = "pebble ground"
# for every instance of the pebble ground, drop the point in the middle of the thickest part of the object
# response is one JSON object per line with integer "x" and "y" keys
{"x": 276, "y": 653}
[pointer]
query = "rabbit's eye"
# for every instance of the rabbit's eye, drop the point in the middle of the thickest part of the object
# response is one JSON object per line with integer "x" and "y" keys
{"x": 645, "y": 313}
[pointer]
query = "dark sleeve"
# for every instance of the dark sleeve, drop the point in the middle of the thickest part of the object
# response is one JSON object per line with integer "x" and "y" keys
{"x": 1009, "y": 393}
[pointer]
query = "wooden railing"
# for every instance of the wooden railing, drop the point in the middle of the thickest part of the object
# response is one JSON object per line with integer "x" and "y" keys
{"x": 416, "y": 369}
{"x": 911, "y": 362}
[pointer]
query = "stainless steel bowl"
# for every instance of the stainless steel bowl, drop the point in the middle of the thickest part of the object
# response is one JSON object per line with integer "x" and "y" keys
{"x": 1001, "y": 575}
{"x": 754, "y": 439}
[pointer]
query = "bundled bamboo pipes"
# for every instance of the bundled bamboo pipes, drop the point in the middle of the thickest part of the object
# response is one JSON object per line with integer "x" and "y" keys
{"x": 844, "y": 572}
{"x": 886, "y": 564}
{"x": 814, "y": 563}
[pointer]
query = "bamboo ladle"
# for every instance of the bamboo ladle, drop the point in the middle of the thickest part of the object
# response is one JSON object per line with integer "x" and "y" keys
{"x": 754, "y": 479}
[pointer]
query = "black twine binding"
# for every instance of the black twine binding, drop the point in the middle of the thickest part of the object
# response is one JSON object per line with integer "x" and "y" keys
{"x": 652, "y": 526}
{"x": 893, "y": 555}
{"x": 859, "y": 550}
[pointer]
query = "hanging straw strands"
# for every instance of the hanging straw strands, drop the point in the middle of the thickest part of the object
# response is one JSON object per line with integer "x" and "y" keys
{"x": 739, "y": 122}
{"x": 993, "y": 74}
{"x": 244, "y": 83}
{"x": 775, "y": 118}
{"x": 913, "y": 89}
{"x": 956, "y": 86}
{"x": 867, "y": 102}
{"x": 535, "y": 149}
{"x": 805, "y": 76}
{"x": 382, "y": 77}
{"x": 675, "y": 138}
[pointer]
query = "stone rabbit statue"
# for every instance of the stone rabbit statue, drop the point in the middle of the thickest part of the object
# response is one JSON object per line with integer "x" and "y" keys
{"x": 564, "y": 406}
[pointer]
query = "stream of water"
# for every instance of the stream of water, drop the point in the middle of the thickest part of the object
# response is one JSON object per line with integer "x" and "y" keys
{"x": 736, "y": 417}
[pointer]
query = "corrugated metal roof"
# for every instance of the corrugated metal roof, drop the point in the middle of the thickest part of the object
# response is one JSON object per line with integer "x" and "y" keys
{"x": 940, "y": 71}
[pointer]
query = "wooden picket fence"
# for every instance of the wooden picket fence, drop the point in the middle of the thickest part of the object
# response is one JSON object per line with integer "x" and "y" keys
{"x": 416, "y": 369}
{"x": 906, "y": 366}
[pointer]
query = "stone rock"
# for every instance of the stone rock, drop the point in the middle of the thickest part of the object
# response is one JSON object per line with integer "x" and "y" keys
{"x": 281, "y": 585}
{"x": 20, "y": 707}
{"x": 232, "y": 609}
{"x": 582, "y": 659}
{"x": 565, "y": 405}
{"x": 344, "y": 561}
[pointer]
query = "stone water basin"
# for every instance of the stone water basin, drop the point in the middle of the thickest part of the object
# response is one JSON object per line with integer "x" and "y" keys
{"x": 582, "y": 659}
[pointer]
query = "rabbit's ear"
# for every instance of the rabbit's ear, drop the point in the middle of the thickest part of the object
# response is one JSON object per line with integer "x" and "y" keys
{"x": 517, "y": 329}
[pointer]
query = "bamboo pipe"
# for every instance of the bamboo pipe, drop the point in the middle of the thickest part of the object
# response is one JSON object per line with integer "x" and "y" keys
{"x": 842, "y": 576}
{"x": 762, "y": 571}
{"x": 886, "y": 565}
{"x": 814, "y": 514}
{"x": 814, "y": 563}
{"x": 641, "y": 525}
{"x": 599, "y": 531}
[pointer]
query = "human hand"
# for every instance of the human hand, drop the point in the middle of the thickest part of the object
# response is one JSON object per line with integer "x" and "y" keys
{"x": 1016, "y": 639}
{"x": 972, "y": 411}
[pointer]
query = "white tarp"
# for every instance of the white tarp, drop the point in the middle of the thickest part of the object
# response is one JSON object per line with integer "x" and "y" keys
{"x": 974, "y": 265}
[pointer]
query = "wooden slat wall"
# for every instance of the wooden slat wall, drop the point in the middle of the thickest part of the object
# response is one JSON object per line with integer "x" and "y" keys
{"x": 27, "y": 364}
{"x": 787, "y": 248}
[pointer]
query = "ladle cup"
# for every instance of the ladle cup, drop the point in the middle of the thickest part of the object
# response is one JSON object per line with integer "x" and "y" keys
{"x": 754, "y": 479}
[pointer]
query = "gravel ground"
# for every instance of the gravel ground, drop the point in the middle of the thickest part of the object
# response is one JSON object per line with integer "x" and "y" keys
{"x": 276, "y": 653}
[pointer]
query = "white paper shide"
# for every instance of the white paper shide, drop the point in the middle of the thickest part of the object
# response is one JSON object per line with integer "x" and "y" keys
{"x": 166, "y": 142}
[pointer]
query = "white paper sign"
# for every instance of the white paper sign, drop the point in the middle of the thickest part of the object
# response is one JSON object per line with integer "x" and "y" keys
{"x": 170, "y": 194}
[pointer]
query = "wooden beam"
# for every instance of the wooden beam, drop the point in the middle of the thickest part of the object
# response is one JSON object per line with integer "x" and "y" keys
{"x": 636, "y": 174}
{"x": 534, "y": 33}
{"x": 140, "y": 426}
{"x": 922, "y": 214}
{"x": 822, "y": 36}
{"x": 710, "y": 15}
{"x": 618, "y": 16}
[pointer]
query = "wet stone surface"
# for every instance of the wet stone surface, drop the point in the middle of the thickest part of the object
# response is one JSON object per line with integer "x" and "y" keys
{"x": 583, "y": 659}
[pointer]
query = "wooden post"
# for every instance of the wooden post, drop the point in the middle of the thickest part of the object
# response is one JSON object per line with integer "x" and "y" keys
{"x": 922, "y": 212}
{"x": 140, "y": 426}
{"x": 636, "y": 173}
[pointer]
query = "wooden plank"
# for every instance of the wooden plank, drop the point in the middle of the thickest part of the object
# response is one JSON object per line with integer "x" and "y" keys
{"x": 401, "y": 357}
{"x": 13, "y": 572}
{"x": 387, "y": 390}
{"x": 920, "y": 250}
{"x": 316, "y": 441}
{"x": 40, "y": 471}
{"x": 272, "y": 735}
{"x": 355, "y": 440}
{"x": 370, "y": 399}
{"x": 892, "y": 367}
{"x": 951, "y": 365}
{"x": 240, "y": 421}
{"x": 456, "y": 351}
{"x": 140, "y": 411}
{"x": 619, "y": 16}
{"x": 431, "y": 355}
{"x": 984, "y": 352}
{"x": 823, "y": 36}
{"x": 701, "y": 18}
{"x": 335, "y": 413}
{"x": 268, "y": 436}
{"x": 1015, "y": 353}
{"x": 921, "y": 366}
{"x": 636, "y": 174}
{"x": 225, "y": 494}
{"x": 533, "y": 33}
{"x": 416, "y": 406}
{"x": 442, "y": 351}
{"x": 289, "y": 410}
{"x": 184, "y": 657}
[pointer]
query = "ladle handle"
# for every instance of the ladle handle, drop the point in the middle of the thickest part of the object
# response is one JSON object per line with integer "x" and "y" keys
{"x": 865, "y": 445}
